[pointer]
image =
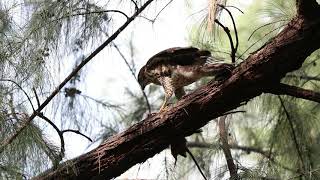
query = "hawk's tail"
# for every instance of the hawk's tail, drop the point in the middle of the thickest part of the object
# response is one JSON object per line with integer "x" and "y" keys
{"x": 219, "y": 70}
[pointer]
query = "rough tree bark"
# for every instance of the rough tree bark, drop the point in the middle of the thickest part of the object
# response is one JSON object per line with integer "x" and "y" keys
{"x": 260, "y": 72}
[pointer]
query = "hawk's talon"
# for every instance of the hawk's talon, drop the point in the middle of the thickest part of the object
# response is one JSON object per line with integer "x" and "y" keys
{"x": 165, "y": 108}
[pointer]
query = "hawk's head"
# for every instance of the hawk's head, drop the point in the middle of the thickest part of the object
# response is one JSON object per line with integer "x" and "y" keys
{"x": 142, "y": 78}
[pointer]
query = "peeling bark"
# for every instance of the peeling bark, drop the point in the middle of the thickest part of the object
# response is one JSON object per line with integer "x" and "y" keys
{"x": 262, "y": 70}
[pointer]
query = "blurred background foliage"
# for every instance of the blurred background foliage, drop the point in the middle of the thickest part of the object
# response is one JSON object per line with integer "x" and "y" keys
{"x": 277, "y": 137}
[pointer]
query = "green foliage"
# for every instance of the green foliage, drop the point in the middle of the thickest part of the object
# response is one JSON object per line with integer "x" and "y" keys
{"x": 34, "y": 37}
{"x": 38, "y": 39}
{"x": 286, "y": 130}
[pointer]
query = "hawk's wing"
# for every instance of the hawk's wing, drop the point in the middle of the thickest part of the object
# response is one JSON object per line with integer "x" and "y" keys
{"x": 178, "y": 56}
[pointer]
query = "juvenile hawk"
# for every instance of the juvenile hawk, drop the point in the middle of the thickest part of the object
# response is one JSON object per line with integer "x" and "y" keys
{"x": 177, "y": 67}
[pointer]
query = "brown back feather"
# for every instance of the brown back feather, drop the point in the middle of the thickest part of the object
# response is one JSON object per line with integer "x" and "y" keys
{"x": 178, "y": 56}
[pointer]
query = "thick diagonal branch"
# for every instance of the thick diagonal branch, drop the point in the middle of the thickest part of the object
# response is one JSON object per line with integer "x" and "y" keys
{"x": 260, "y": 71}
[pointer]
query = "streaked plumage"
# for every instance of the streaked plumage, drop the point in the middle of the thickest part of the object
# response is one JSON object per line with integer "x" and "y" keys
{"x": 177, "y": 67}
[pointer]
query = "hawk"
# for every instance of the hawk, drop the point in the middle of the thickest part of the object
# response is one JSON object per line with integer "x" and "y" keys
{"x": 177, "y": 67}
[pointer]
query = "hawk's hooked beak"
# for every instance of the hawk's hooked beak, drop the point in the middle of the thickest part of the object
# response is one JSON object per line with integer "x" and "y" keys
{"x": 142, "y": 79}
{"x": 142, "y": 85}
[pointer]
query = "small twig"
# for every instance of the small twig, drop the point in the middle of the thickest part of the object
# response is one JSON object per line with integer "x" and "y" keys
{"x": 248, "y": 149}
{"x": 315, "y": 78}
{"x": 36, "y": 95}
{"x": 135, "y": 5}
{"x": 24, "y": 92}
{"x": 224, "y": 52}
{"x": 133, "y": 74}
{"x": 77, "y": 132}
{"x": 125, "y": 60}
{"x": 236, "y": 8}
{"x": 108, "y": 105}
{"x": 259, "y": 41}
{"x": 264, "y": 26}
{"x": 226, "y": 148}
{"x": 233, "y": 112}
{"x": 234, "y": 28}
{"x": 232, "y": 146}
{"x": 195, "y": 161}
{"x": 148, "y": 19}
{"x": 94, "y": 12}
{"x": 155, "y": 18}
{"x": 227, "y": 31}
{"x": 62, "y": 148}
{"x": 162, "y": 10}
{"x": 293, "y": 133}
{"x": 60, "y": 133}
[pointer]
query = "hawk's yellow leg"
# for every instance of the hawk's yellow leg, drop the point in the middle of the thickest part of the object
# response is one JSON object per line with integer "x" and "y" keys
{"x": 164, "y": 104}
{"x": 166, "y": 82}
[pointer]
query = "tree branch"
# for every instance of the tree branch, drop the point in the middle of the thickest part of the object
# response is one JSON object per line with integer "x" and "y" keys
{"x": 132, "y": 73}
{"x": 77, "y": 132}
{"x": 95, "y": 12}
{"x": 71, "y": 75}
{"x": 309, "y": 78}
{"x": 227, "y": 31}
{"x": 24, "y": 92}
{"x": 284, "y": 89}
{"x": 262, "y": 70}
{"x": 247, "y": 149}
{"x": 135, "y": 5}
{"x": 62, "y": 148}
{"x": 226, "y": 148}
{"x": 234, "y": 27}
{"x": 60, "y": 133}
{"x": 36, "y": 95}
